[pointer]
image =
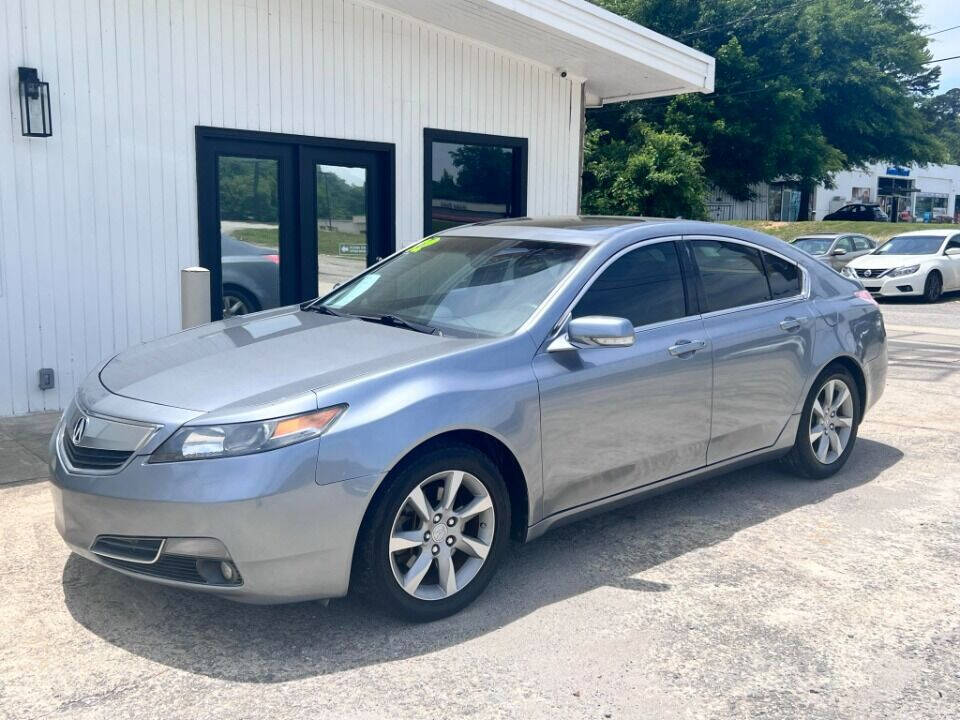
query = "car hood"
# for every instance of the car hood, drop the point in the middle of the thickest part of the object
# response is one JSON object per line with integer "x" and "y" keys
{"x": 263, "y": 358}
{"x": 888, "y": 261}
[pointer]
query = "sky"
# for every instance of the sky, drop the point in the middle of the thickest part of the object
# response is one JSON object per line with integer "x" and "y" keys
{"x": 940, "y": 14}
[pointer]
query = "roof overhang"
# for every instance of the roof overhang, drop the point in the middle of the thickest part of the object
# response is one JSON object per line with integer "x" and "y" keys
{"x": 617, "y": 59}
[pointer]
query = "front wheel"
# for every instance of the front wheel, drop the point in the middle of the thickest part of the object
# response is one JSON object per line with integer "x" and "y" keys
{"x": 435, "y": 537}
{"x": 933, "y": 287}
{"x": 828, "y": 425}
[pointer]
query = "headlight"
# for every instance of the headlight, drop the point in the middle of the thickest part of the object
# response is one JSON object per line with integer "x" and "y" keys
{"x": 849, "y": 272}
{"x": 900, "y": 271}
{"x": 209, "y": 441}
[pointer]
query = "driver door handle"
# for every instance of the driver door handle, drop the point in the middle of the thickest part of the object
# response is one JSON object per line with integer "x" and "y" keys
{"x": 686, "y": 347}
{"x": 791, "y": 323}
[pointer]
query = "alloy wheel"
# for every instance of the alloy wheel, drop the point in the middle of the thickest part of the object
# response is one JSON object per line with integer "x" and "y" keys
{"x": 441, "y": 535}
{"x": 831, "y": 422}
{"x": 233, "y": 306}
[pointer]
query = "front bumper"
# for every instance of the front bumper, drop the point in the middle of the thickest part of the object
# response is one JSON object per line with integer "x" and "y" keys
{"x": 905, "y": 285}
{"x": 290, "y": 537}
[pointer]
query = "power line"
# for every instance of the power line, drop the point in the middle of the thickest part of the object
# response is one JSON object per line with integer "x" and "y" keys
{"x": 937, "y": 32}
{"x": 745, "y": 18}
{"x": 952, "y": 57}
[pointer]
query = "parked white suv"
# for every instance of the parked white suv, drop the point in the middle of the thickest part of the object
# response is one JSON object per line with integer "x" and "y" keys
{"x": 923, "y": 262}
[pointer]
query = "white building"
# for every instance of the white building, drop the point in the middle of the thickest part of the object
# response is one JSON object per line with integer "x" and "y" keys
{"x": 280, "y": 143}
{"x": 921, "y": 190}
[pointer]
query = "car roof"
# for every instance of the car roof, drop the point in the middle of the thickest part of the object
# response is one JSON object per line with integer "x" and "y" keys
{"x": 941, "y": 232}
{"x": 595, "y": 230}
{"x": 823, "y": 235}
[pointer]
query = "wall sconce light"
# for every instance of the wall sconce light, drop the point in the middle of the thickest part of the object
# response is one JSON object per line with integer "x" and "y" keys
{"x": 35, "y": 117}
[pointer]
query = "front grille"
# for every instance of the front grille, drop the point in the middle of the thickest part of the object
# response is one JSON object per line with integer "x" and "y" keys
{"x": 181, "y": 568}
{"x": 862, "y": 272}
{"x": 87, "y": 458}
{"x": 134, "y": 549}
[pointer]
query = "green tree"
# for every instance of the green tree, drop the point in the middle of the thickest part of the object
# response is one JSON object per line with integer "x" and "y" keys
{"x": 943, "y": 113}
{"x": 646, "y": 172}
{"x": 804, "y": 88}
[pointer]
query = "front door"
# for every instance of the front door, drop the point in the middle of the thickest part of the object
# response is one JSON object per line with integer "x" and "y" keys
{"x": 616, "y": 418}
{"x": 285, "y": 218}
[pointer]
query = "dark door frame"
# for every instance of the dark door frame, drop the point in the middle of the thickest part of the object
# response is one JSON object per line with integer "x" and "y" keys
{"x": 298, "y": 280}
{"x": 519, "y": 144}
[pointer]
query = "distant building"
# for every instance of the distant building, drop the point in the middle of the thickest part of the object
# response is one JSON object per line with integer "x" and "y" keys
{"x": 930, "y": 193}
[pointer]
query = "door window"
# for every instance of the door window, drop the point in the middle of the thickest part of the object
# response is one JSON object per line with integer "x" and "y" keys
{"x": 732, "y": 275}
{"x": 341, "y": 216}
{"x": 645, "y": 286}
{"x": 783, "y": 275}
{"x": 862, "y": 243}
{"x": 249, "y": 234}
{"x": 845, "y": 243}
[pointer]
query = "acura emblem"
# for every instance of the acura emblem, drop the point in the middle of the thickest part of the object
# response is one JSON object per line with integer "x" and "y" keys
{"x": 867, "y": 273}
{"x": 79, "y": 429}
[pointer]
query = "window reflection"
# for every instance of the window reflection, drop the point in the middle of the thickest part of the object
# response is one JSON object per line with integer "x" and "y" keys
{"x": 249, "y": 234}
{"x": 471, "y": 183}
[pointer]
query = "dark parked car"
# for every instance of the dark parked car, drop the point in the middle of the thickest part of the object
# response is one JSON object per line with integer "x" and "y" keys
{"x": 859, "y": 211}
{"x": 251, "y": 277}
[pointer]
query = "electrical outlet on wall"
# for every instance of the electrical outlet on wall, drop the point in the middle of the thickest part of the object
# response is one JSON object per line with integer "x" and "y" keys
{"x": 46, "y": 379}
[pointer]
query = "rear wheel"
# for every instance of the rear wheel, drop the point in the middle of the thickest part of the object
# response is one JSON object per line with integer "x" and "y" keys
{"x": 828, "y": 425}
{"x": 933, "y": 287}
{"x": 435, "y": 537}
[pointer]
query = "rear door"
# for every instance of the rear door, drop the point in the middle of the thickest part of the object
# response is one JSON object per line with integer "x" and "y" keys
{"x": 616, "y": 418}
{"x": 759, "y": 321}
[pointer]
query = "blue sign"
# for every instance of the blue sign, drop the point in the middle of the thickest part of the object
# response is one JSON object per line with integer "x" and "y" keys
{"x": 898, "y": 171}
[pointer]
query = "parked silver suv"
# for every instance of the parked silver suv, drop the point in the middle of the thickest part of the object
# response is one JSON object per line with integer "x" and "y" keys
{"x": 491, "y": 381}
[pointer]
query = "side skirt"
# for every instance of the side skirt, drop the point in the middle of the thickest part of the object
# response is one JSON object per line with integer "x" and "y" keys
{"x": 780, "y": 448}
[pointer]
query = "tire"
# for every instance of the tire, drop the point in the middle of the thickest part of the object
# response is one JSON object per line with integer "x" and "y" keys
{"x": 238, "y": 301}
{"x": 807, "y": 458}
{"x": 933, "y": 287}
{"x": 393, "y": 517}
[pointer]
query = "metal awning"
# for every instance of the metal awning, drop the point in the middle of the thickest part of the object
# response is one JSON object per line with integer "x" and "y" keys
{"x": 616, "y": 59}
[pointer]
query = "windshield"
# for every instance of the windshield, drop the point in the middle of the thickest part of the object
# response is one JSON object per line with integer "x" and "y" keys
{"x": 469, "y": 286}
{"x": 813, "y": 245}
{"x": 910, "y": 245}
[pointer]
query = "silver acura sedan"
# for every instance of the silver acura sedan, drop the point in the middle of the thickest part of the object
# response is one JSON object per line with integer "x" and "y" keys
{"x": 489, "y": 382}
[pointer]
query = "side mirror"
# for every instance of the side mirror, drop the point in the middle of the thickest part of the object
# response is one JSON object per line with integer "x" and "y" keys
{"x": 595, "y": 331}
{"x": 952, "y": 251}
{"x": 838, "y": 251}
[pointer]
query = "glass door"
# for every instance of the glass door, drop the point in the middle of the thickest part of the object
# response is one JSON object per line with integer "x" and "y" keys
{"x": 285, "y": 218}
{"x": 343, "y": 212}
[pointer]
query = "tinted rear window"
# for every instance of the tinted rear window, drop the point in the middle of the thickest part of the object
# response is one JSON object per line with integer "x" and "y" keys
{"x": 732, "y": 275}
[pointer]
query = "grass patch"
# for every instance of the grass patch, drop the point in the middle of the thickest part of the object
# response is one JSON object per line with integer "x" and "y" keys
{"x": 879, "y": 231}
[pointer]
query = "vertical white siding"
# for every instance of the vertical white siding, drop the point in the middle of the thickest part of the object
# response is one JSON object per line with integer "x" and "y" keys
{"x": 96, "y": 221}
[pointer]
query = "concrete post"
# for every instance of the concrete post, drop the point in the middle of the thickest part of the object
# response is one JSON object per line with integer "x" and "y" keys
{"x": 194, "y": 297}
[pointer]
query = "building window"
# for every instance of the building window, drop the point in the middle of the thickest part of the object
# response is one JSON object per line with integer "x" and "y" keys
{"x": 470, "y": 178}
{"x": 931, "y": 207}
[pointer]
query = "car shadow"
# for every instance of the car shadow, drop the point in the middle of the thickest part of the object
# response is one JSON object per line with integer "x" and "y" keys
{"x": 248, "y": 643}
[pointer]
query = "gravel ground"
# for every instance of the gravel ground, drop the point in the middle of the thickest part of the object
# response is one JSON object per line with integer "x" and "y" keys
{"x": 750, "y": 595}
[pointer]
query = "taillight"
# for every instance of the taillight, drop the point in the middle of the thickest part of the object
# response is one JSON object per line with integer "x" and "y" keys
{"x": 865, "y": 295}
{"x": 275, "y": 259}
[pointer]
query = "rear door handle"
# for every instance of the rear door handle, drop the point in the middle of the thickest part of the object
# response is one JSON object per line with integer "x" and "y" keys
{"x": 791, "y": 323}
{"x": 686, "y": 347}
